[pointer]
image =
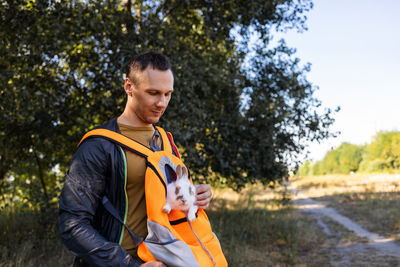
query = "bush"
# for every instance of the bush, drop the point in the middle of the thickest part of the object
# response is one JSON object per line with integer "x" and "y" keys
{"x": 29, "y": 236}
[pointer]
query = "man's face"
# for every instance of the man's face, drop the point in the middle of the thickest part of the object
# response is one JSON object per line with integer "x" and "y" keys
{"x": 150, "y": 97}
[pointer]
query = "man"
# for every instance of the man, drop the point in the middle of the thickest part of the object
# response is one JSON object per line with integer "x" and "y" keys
{"x": 101, "y": 168}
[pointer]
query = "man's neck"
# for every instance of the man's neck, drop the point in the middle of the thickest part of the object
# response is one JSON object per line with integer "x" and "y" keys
{"x": 131, "y": 120}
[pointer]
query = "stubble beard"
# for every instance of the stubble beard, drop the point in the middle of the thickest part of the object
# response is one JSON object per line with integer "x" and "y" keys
{"x": 151, "y": 118}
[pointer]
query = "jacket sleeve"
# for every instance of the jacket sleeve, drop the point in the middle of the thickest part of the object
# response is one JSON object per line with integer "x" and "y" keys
{"x": 84, "y": 185}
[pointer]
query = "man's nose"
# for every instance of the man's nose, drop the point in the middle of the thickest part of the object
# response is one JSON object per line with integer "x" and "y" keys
{"x": 162, "y": 102}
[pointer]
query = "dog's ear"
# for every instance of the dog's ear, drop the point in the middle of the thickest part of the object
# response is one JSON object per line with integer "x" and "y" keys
{"x": 178, "y": 172}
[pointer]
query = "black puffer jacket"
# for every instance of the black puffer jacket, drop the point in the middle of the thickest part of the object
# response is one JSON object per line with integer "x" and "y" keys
{"x": 86, "y": 228}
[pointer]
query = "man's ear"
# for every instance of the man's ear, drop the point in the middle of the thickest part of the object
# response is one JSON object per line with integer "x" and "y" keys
{"x": 128, "y": 86}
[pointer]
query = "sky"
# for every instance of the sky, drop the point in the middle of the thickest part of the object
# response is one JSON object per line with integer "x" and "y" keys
{"x": 354, "y": 49}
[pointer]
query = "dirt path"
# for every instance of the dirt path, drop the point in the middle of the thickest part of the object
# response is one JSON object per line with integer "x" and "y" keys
{"x": 375, "y": 242}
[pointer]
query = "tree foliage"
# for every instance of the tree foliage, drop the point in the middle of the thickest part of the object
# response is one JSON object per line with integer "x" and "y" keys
{"x": 381, "y": 155}
{"x": 236, "y": 120}
{"x": 345, "y": 159}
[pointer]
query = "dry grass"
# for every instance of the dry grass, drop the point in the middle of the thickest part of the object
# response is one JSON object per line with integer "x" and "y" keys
{"x": 318, "y": 186}
{"x": 255, "y": 196}
{"x": 345, "y": 248}
{"x": 258, "y": 228}
{"x": 373, "y": 201}
{"x": 29, "y": 238}
{"x": 47, "y": 252}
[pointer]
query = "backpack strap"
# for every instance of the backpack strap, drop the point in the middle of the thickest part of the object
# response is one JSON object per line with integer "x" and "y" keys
{"x": 174, "y": 149}
{"x": 111, "y": 209}
{"x": 133, "y": 146}
{"x": 168, "y": 142}
{"x": 165, "y": 140}
{"x": 137, "y": 148}
{"x": 120, "y": 139}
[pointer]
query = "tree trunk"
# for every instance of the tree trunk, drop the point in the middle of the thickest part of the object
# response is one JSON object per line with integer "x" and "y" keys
{"x": 128, "y": 5}
{"x": 3, "y": 172}
{"x": 41, "y": 176}
{"x": 1, "y": 189}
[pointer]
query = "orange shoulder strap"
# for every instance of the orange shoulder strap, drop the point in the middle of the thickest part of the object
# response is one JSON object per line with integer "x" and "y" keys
{"x": 166, "y": 143}
{"x": 120, "y": 139}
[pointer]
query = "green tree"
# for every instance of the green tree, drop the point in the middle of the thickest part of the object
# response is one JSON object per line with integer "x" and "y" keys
{"x": 316, "y": 168}
{"x": 305, "y": 169}
{"x": 54, "y": 57}
{"x": 330, "y": 163}
{"x": 344, "y": 159}
{"x": 238, "y": 113}
{"x": 383, "y": 153}
{"x": 350, "y": 157}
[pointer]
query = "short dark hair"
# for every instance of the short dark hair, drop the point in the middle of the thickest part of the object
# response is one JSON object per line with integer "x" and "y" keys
{"x": 140, "y": 62}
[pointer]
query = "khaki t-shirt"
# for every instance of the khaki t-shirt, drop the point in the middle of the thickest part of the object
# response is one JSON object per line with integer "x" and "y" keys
{"x": 136, "y": 217}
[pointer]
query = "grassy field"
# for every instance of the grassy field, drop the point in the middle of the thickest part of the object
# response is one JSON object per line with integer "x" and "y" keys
{"x": 257, "y": 227}
{"x": 373, "y": 201}
{"x": 29, "y": 238}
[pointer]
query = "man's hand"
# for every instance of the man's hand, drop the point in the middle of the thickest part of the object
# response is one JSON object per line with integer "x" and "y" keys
{"x": 203, "y": 195}
{"x": 154, "y": 264}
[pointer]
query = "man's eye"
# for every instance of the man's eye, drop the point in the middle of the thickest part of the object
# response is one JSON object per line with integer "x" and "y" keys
{"x": 152, "y": 93}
